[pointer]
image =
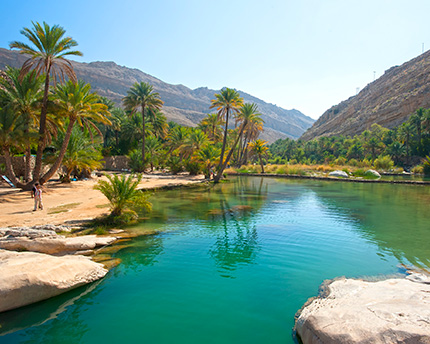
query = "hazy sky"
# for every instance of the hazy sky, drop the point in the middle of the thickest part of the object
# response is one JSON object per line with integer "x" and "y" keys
{"x": 302, "y": 54}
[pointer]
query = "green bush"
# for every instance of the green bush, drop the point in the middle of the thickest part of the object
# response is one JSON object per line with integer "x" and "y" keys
{"x": 384, "y": 163}
{"x": 135, "y": 163}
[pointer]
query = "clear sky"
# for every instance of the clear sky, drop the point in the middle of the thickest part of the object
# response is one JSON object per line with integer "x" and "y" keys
{"x": 302, "y": 54}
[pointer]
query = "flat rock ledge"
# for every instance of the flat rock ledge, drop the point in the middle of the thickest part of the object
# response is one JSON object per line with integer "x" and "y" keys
{"x": 357, "y": 311}
{"x": 48, "y": 241}
{"x": 28, "y": 277}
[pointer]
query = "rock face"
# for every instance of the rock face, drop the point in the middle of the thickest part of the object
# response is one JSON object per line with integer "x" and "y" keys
{"x": 388, "y": 101}
{"x": 181, "y": 104}
{"x": 355, "y": 311}
{"x": 28, "y": 277}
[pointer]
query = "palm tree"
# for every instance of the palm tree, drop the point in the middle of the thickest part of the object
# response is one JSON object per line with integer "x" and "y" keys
{"x": 405, "y": 133}
{"x": 75, "y": 101}
{"x": 195, "y": 140}
{"x": 259, "y": 148}
{"x": 227, "y": 102}
{"x": 208, "y": 156}
{"x": 158, "y": 122}
{"x": 46, "y": 57}
{"x": 82, "y": 154}
{"x": 211, "y": 125}
{"x": 248, "y": 113}
{"x": 11, "y": 135}
{"x": 23, "y": 97}
{"x": 142, "y": 96}
{"x": 153, "y": 148}
{"x": 123, "y": 194}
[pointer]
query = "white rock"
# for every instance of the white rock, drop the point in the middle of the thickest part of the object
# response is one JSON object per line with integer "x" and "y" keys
{"x": 28, "y": 277}
{"x": 55, "y": 245}
{"x": 355, "y": 311}
{"x": 372, "y": 173}
{"x": 339, "y": 173}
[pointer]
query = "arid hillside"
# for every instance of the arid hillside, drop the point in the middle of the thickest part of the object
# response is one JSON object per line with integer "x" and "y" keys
{"x": 388, "y": 101}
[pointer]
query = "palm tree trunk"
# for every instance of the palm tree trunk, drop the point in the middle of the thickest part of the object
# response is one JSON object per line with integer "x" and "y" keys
{"x": 9, "y": 169}
{"x": 261, "y": 163}
{"x": 224, "y": 143}
{"x": 143, "y": 137}
{"x": 27, "y": 164}
{"x": 63, "y": 150}
{"x": 42, "y": 129}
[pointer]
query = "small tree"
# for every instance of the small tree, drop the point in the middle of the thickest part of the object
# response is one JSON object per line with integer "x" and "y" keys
{"x": 123, "y": 195}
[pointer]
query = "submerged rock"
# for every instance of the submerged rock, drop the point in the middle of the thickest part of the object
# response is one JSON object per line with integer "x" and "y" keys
{"x": 29, "y": 277}
{"x": 356, "y": 311}
{"x": 338, "y": 173}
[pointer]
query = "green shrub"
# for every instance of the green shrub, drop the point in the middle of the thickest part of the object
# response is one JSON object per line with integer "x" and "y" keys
{"x": 418, "y": 169}
{"x": 174, "y": 163}
{"x": 384, "y": 163}
{"x": 353, "y": 162}
{"x": 135, "y": 163}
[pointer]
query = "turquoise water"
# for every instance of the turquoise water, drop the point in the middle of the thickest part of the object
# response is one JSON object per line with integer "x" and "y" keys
{"x": 233, "y": 263}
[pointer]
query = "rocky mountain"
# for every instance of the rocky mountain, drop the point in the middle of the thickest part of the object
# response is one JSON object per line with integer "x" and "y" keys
{"x": 181, "y": 104}
{"x": 388, "y": 101}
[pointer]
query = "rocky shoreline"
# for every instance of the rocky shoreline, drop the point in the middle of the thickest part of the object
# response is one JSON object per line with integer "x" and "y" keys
{"x": 352, "y": 311}
{"x": 37, "y": 263}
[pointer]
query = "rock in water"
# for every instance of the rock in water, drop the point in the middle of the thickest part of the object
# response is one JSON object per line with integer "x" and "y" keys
{"x": 356, "y": 311}
{"x": 338, "y": 173}
{"x": 29, "y": 277}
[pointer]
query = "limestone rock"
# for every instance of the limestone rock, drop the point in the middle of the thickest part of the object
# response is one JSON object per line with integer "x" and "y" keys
{"x": 356, "y": 311}
{"x": 339, "y": 173}
{"x": 28, "y": 277}
{"x": 55, "y": 244}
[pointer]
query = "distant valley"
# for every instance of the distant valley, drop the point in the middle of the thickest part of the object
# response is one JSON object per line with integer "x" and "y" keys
{"x": 181, "y": 104}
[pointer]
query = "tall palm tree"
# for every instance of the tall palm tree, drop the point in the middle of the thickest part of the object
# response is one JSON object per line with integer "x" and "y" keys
{"x": 158, "y": 122}
{"x": 47, "y": 56}
{"x": 74, "y": 101}
{"x": 142, "y": 96}
{"x": 227, "y": 102}
{"x": 259, "y": 148}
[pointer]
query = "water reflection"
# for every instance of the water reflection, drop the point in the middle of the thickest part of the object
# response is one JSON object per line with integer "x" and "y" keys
{"x": 238, "y": 243}
{"x": 394, "y": 217}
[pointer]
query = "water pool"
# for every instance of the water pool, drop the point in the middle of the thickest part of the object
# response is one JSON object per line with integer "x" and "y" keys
{"x": 233, "y": 263}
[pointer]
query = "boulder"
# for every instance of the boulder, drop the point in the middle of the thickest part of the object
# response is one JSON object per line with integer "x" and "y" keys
{"x": 338, "y": 173}
{"x": 28, "y": 277}
{"x": 356, "y": 311}
{"x": 372, "y": 173}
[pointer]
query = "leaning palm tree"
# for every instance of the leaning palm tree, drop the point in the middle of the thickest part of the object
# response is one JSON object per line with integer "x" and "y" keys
{"x": 76, "y": 103}
{"x": 248, "y": 113}
{"x": 142, "y": 96}
{"x": 46, "y": 57}
{"x": 227, "y": 102}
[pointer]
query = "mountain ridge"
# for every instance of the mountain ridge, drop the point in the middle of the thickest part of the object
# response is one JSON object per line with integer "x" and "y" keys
{"x": 181, "y": 104}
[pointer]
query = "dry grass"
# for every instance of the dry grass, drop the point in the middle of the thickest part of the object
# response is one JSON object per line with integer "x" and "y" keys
{"x": 63, "y": 208}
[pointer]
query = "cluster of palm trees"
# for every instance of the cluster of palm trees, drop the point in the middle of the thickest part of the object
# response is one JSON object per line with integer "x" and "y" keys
{"x": 43, "y": 98}
{"x": 45, "y": 110}
{"x": 406, "y": 145}
{"x": 207, "y": 148}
